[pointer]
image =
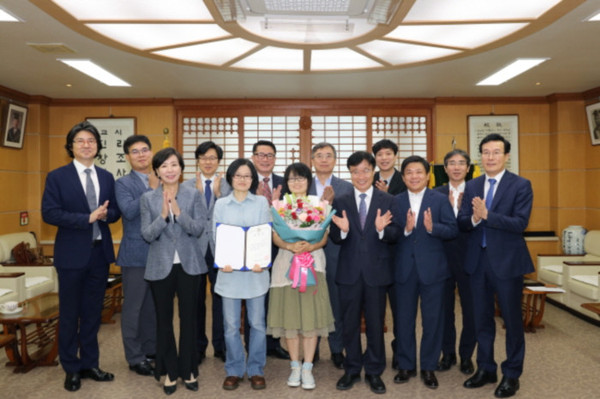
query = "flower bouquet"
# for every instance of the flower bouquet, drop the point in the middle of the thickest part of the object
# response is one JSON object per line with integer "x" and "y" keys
{"x": 301, "y": 219}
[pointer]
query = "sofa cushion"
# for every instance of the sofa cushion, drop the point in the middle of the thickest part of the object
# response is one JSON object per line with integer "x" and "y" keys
{"x": 4, "y": 291}
{"x": 35, "y": 280}
{"x": 554, "y": 268}
{"x": 591, "y": 243}
{"x": 586, "y": 279}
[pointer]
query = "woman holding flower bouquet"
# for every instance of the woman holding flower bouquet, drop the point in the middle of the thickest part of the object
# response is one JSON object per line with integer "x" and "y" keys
{"x": 299, "y": 300}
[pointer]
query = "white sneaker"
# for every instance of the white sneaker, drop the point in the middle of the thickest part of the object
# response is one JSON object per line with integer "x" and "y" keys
{"x": 308, "y": 381}
{"x": 294, "y": 378}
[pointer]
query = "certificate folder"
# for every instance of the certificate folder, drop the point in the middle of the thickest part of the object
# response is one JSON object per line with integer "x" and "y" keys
{"x": 242, "y": 247}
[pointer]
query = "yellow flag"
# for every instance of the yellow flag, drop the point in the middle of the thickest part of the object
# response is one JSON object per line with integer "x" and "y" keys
{"x": 476, "y": 171}
{"x": 431, "y": 176}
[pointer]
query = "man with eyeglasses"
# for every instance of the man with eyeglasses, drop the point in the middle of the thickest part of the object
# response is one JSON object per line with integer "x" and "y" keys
{"x": 79, "y": 198}
{"x": 456, "y": 165}
{"x": 495, "y": 212}
{"x": 213, "y": 186}
{"x": 326, "y": 186}
{"x": 138, "y": 320}
{"x": 269, "y": 186}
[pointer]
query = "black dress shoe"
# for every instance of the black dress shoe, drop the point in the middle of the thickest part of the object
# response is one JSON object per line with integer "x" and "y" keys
{"x": 72, "y": 382}
{"x": 466, "y": 366}
{"x": 508, "y": 387}
{"x": 480, "y": 378}
{"x": 279, "y": 353}
{"x": 97, "y": 374}
{"x": 142, "y": 368}
{"x": 338, "y": 360}
{"x": 375, "y": 383}
{"x": 169, "y": 389}
{"x": 447, "y": 361}
{"x": 192, "y": 386}
{"x": 201, "y": 356}
{"x": 428, "y": 377}
{"x": 220, "y": 355}
{"x": 404, "y": 375}
{"x": 347, "y": 381}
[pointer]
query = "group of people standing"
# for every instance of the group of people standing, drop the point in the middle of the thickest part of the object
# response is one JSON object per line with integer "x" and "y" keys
{"x": 391, "y": 237}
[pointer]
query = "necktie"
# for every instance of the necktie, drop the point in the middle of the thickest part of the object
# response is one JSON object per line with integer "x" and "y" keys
{"x": 488, "y": 204}
{"x": 90, "y": 194}
{"x": 207, "y": 192}
{"x": 362, "y": 210}
{"x": 267, "y": 190}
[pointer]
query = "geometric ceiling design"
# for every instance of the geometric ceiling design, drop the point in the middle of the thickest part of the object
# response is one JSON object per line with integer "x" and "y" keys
{"x": 306, "y": 36}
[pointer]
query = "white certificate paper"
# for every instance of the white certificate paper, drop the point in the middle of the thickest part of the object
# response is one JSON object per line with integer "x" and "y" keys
{"x": 243, "y": 247}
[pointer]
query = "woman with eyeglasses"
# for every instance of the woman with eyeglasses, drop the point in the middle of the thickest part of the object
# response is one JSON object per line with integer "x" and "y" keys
{"x": 242, "y": 208}
{"x": 172, "y": 220}
{"x": 300, "y": 317}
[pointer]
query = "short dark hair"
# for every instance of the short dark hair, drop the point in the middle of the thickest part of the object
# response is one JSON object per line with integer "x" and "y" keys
{"x": 495, "y": 137}
{"x": 457, "y": 152}
{"x": 357, "y": 157}
{"x": 136, "y": 138}
{"x": 320, "y": 145}
{"x": 298, "y": 169}
{"x": 85, "y": 125}
{"x": 161, "y": 156}
{"x": 207, "y": 145}
{"x": 385, "y": 143}
{"x": 414, "y": 159}
{"x": 235, "y": 165}
{"x": 264, "y": 142}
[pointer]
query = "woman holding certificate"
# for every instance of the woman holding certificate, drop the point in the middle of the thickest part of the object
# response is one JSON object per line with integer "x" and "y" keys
{"x": 242, "y": 209}
{"x": 172, "y": 221}
{"x": 299, "y": 299}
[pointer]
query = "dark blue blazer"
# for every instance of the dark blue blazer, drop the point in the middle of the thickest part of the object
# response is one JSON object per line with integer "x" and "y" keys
{"x": 396, "y": 185}
{"x": 65, "y": 205}
{"x": 504, "y": 227}
{"x": 362, "y": 253}
{"x": 133, "y": 250}
{"x": 421, "y": 249}
{"x": 456, "y": 249}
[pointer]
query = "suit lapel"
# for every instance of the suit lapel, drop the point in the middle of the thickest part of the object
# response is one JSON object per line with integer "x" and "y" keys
{"x": 502, "y": 187}
{"x": 72, "y": 170}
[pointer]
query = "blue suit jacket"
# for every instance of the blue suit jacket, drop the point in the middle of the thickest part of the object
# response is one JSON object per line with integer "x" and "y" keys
{"x": 421, "y": 249}
{"x": 166, "y": 237}
{"x": 133, "y": 250}
{"x": 362, "y": 253}
{"x": 456, "y": 249}
{"x": 504, "y": 227}
{"x": 65, "y": 205}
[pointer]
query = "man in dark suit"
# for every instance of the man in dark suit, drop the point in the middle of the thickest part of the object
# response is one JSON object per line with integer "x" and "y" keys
{"x": 495, "y": 211}
{"x": 270, "y": 186}
{"x": 388, "y": 179}
{"x": 138, "y": 317}
{"x": 79, "y": 199}
{"x": 363, "y": 229}
{"x": 326, "y": 186}
{"x": 456, "y": 165}
{"x": 212, "y": 186}
{"x": 426, "y": 219}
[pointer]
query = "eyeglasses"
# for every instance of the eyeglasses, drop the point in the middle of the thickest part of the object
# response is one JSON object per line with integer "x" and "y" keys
{"x": 298, "y": 179}
{"x": 262, "y": 155}
{"x": 242, "y": 177}
{"x": 489, "y": 154}
{"x": 208, "y": 159}
{"x": 324, "y": 156}
{"x": 84, "y": 141}
{"x": 143, "y": 151}
{"x": 357, "y": 172}
{"x": 455, "y": 163}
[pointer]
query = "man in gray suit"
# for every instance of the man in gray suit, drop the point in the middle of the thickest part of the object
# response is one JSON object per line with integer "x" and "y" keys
{"x": 326, "y": 186}
{"x": 138, "y": 321}
{"x": 210, "y": 183}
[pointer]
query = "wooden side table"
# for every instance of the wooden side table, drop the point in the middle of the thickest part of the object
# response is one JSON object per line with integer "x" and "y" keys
{"x": 533, "y": 304}
{"x": 113, "y": 298}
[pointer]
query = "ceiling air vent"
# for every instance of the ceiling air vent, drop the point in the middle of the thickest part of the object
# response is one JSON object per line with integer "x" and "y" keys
{"x": 52, "y": 48}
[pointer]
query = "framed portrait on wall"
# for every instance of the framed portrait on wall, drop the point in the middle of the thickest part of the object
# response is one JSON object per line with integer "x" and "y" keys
{"x": 593, "y": 117}
{"x": 113, "y": 132}
{"x": 14, "y": 129}
{"x": 505, "y": 125}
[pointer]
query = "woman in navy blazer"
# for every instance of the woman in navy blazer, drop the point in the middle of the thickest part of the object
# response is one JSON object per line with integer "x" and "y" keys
{"x": 172, "y": 221}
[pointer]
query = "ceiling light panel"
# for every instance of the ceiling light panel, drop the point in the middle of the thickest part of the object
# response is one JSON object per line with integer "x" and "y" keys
{"x": 5, "y": 16}
{"x": 213, "y": 53}
{"x": 95, "y": 71}
{"x": 303, "y": 7}
{"x": 340, "y": 59}
{"x": 147, "y": 36}
{"x": 400, "y": 53}
{"x": 136, "y": 10}
{"x": 515, "y": 68}
{"x": 273, "y": 58}
{"x": 473, "y": 10}
{"x": 466, "y": 36}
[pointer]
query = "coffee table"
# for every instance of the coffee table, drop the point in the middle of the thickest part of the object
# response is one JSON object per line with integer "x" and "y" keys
{"x": 37, "y": 346}
{"x": 534, "y": 302}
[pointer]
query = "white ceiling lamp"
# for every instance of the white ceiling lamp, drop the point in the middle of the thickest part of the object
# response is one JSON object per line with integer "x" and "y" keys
{"x": 515, "y": 68}
{"x": 5, "y": 16}
{"x": 95, "y": 71}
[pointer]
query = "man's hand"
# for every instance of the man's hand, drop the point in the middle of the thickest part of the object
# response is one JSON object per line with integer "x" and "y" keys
{"x": 153, "y": 180}
{"x": 99, "y": 213}
{"x": 381, "y": 185}
{"x": 427, "y": 220}
{"x": 199, "y": 181}
{"x": 479, "y": 209}
{"x": 381, "y": 221}
{"x": 276, "y": 194}
{"x": 410, "y": 221}
{"x": 341, "y": 222}
{"x": 328, "y": 194}
{"x": 217, "y": 185}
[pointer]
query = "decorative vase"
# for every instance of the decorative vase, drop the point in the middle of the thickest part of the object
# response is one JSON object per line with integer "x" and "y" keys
{"x": 572, "y": 240}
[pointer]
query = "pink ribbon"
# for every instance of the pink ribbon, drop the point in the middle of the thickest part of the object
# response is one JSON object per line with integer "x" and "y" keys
{"x": 301, "y": 264}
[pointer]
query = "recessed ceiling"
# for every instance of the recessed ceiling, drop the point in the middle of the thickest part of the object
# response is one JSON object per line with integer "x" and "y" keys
{"x": 306, "y": 35}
